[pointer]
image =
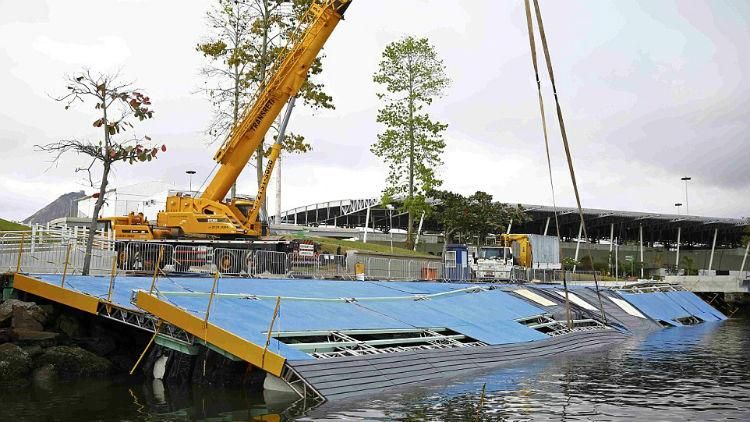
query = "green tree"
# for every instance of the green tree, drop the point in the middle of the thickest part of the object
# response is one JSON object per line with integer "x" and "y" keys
{"x": 569, "y": 262}
{"x": 116, "y": 105}
{"x": 411, "y": 76}
{"x": 689, "y": 263}
{"x": 475, "y": 215}
{"x": 246, "y": 38}
{"x": 745, "y": 236}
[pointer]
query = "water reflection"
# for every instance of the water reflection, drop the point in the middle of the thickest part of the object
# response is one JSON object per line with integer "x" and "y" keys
{"x": 687, "y": 373}
{"x": 146, "y": 401}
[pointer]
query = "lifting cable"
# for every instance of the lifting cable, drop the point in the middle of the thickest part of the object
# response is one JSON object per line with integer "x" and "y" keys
{"x": 563, "y": 133}
{"x": 532, "y": 45}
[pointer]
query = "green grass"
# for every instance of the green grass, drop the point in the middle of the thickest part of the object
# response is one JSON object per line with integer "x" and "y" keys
{"x": 6, "y": 225}
{"x": 329, "y": 245}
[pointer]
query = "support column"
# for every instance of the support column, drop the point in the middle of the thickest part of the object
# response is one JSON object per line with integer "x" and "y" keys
{"x": 546, "y": 226}
{"x": 713, "y": 248}
{"x": 578, "y": 246}
{"x": 744, "y": 258}
{"x": 278, "y": 189}
{"x": 611, "y": 244}
{"x": 640, "y": 236}
{"x": 617, "y": 261}
{"x": 419, "y": 230}
{"x": 34, "y": 228}
{"x": 367, "y": 223}
{"x": 677, "y": 257}
{"x": 509, "y": 226}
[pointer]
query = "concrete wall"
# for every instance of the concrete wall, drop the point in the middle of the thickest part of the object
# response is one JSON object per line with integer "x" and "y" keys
{"x": 712, "y": 284}
{"x": 724, "y": 259}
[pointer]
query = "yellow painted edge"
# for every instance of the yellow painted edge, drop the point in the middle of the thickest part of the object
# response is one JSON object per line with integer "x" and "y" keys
{"x": 58, "y": 294}
{"x": 223, "y": 339}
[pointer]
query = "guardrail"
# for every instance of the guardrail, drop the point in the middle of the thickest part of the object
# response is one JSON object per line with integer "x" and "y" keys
{"x": 378, "y": 268}
{"x": 63, "y": 251}
{"x": 54, "y": 259}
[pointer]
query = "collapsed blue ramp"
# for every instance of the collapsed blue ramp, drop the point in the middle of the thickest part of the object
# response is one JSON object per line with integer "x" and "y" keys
{"x": 245, "y": 307}
{"x": 657, "y": 306}
{"x": 696, "y": 306}
{"x": 670, "y": 307}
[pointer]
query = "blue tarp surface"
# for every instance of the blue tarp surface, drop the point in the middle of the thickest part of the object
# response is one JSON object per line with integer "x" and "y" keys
{"x": 669, "y": 306}
{"x": 487, "y": 316}
{"x": 696, "y": 306}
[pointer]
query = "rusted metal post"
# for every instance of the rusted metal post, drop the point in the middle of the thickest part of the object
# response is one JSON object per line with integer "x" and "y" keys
{"x": 65, "y": 266}
{"x": 112, "y": 279}
{"x": 150, "y": 342}
{"x": 20, "y": 252}
{"x": 211, "y": 299}
{"x": 156, "y": 271}
{"x": 270, "y": 329}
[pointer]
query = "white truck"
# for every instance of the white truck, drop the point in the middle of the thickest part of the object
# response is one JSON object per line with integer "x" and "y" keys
{"x": 491, "y": 262}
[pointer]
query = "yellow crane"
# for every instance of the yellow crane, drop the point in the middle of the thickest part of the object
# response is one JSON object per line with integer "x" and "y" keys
{"x": 210, "y": 215}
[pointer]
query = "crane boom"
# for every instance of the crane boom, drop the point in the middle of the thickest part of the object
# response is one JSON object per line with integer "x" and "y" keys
{"x": 285, "y": 82}
{"x": 209, "y": 215}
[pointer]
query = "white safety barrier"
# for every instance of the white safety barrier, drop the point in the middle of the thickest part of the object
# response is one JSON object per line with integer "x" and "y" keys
{"x": 377, "y": 268}
{"x": 143, "y": 256}
{"x": 270, "y": 264}
{"x": 193, "y": 259}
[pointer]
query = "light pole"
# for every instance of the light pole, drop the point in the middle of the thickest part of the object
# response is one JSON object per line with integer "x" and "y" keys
{"x": 678, "y": 205}
{"x": 190, "y": 174}
{"x": 687, "y": 204}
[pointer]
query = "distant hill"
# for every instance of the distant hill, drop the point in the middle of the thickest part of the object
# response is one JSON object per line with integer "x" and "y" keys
{"x": 6, "y": 225}
{"x": 65, "y": 205}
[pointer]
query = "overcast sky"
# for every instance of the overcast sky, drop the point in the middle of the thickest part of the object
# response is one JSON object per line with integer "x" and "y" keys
{"x": 651, "y": 91}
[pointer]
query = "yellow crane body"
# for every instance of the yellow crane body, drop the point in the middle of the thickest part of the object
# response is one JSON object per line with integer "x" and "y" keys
{"x": 210, "y": 215}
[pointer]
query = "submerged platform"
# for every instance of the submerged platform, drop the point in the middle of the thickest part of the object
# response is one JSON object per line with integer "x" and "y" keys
{"x": 334, "y": 339}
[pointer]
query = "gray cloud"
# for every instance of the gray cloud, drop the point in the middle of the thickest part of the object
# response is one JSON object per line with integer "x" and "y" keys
{"x": 650, "y": 91}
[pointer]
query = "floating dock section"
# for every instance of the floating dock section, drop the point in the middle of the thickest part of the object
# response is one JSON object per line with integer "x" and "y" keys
{"x": 334, "y": 339}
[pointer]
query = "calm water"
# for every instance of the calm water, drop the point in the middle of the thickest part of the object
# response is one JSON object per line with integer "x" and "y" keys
{"x": 679, "y": 374}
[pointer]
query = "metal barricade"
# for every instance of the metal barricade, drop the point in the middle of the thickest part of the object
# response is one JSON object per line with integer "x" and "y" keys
{"x": 377, "y": 268}
{"x": 303, "y": 266}
{"x": 144, "y": 256}
{"x": 192, "y": 259}
{"x": 332, "y": 266}
{"x": 233, "y": 261}
{"x": 269, "y": 264}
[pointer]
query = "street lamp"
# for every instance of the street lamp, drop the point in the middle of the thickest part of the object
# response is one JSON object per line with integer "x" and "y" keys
{"x": 687, "y": 204}
{"x": 678, "y": 205}
{"x": 190, "y": 174}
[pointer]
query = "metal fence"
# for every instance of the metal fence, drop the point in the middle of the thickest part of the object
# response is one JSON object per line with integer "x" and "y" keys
{"x": 59, "y": 250}
{"x": 555, "y": 276}
{"x": 378, "y": 268}
{"x": 54, "y": 251}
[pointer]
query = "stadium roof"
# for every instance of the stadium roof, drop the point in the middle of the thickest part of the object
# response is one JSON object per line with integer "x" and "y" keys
{"x": 600, "y": 223}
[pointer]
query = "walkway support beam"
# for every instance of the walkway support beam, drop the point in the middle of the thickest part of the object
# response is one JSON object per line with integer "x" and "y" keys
{"x": 611, "y": 244}
{"x": 578, "y": 246}
{"x": 713, "y": 249}
{"x": 640, "y": 238}
{"x": 367, "y": 223}
{"x": 677, "y": 256}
